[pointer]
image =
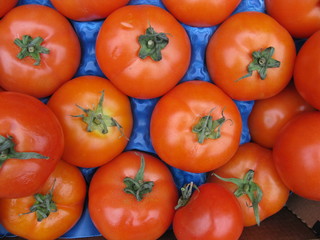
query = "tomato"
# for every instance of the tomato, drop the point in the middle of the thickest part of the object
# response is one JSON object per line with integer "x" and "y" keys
{"x": 64, "y": 191}
{"x": 143, "y": 50}
{"x": 132, "y": 197}
{"x": 305, "y": 13}
{"x": 307, "y": 72}
{"x": 82, "y": 10}
{"x": 260, "y": 191}
{"x": 269, "y": 115}
{"x": 296, "y": 154}
{"x": 202, "y": 13}
{"x": 96, "y": 119}
{"x": 6, "y": 6}
{"x": 31, "y": 143}
{"x": 195, "y": 127}
{"x": 41, "y": 46}
{"x": 251, "y": 56}
{"x": 212, "y": 213}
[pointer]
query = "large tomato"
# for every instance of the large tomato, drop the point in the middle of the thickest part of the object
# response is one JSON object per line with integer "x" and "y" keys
{"x": 270, "y": 114}
{"x": 96, "y": 119}
{"x": 132, "y": 197}
{"x": 143, "y": 50}
{"x": 52, "y": 211}
{"x": 251, "y": 56}
{"x": 195, "y": 127}
{"x": 6, "y": 6}
{"x": 300, "y": 18}
{"x": 307, "y": 71}
{"x": 39, "y": 50}
{"x": 31, "y": 143}
{"x": 83, "y": 10}
{"x": 212, "y": 213}
{"x": 201, "y": 13}
{"x": 260, "y": 191}
{"x": 296, "y": 154}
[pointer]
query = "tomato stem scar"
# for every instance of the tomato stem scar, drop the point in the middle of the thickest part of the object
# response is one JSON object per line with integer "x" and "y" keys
{"x": 186, "y": 192}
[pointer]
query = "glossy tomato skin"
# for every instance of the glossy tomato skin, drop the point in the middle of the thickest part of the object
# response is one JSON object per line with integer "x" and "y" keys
{"x": 307, "y": 72}
{"x": 179, "y": 111}
{"x": 212, "y": 213}
{"x": 203, "y": 13}
{"x": 269, "y": 115}
{"x": 68, "y": 194}
{"x": 230, "y": 49}
{"x": 251, "y": 156}
{"x": 117, "y": 51}
{"x": 6, "y": 6}
{"x": 296, "y": 155}
{"x": 82, "y": 10}
{"x": 306, "y": 13}
{"x": 56, "y": 67}
{"x": 117, "y": 214}
{"x": 34, "y": 128}
{"x": 91, "y": 149}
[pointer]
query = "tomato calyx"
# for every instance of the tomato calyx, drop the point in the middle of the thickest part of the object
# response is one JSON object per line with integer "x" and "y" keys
{"x": 137, "y": 186}
{"x": 209, "y": 128}
{"x": 7, "y": 151}
{"x": 152, "y": 43}
{"x": 262, "y": 60}
{"x": 246, "y": 186}
{"x": 44, "y": 205}
{"x": 96, "y": 120}
{"x": 31, "y": 47}
{"x": 186, "y": 192}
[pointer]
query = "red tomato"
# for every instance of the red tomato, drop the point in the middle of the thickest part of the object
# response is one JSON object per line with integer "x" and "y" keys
{"x": 47, "y": 36}
{"x": 195, "y": 127}
{"x": 307, "y": 70}
{"x": 96, "y": 119}
{"x": 6, "y": 6}
{"x": 296, "y": 155}
{"x": 251, "y": 56}
{"x": 212, "y": 213}
{"x": 201, "y": 13}
{"x": 27, "y": 125}
{"x": 254, "y": 164}
{"x": 269, "y": 115}
{"x": 132, "y": 197}
{"x": 143, "y": 50}
{"x": 300, "y": 18}
{"x": 83, "y": 10}
{"x": 65, "y": 190}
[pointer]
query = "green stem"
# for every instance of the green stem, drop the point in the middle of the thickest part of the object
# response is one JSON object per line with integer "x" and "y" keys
{"x": 31, "y": 47}
{"x": 262, "y": 60}
{"x": 7, "y": 151}
{"x": 246, "y": 186}
{"x": 186, "y": 192}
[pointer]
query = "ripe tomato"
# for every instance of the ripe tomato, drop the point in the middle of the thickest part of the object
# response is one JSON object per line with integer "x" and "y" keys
{"x": 269, "y": 115}
{"x": 260, "y": 191}
{"x": 31, "y": 143}
{"x": 251, "y": 56}
{"x": 307, "y": 71}
{"x": 83, "y": 10}
{"x": 96, "y": 119}
{"x": 41, "y": 46}
{"x": 296, "y": 154}
{"x": 202, "y": 13}
{"x": 143, "y": 50}
{"x": 30, "y": 217}
{"x": 6, "y": 6}
{"x": 195, "y": 127}
{"x": 300, "y": 18}
{"x": 212, "y": 213}
{"x": 132, "y": 197}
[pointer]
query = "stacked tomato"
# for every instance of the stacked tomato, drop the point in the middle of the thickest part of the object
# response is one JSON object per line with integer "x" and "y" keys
{"x": 131, "y": 117}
